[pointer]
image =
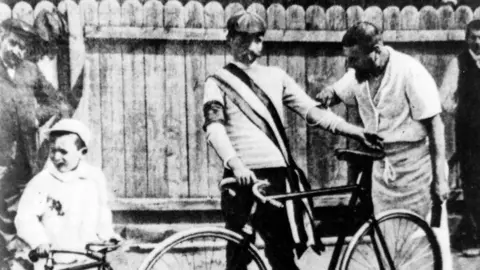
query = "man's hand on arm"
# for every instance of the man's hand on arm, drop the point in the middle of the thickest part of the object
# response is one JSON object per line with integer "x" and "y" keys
{"x": 327, "y": 97}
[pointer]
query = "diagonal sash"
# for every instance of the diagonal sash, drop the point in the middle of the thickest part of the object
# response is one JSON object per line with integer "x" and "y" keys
{"x": 239, "y": 73}
{"x": 262, "y": 113}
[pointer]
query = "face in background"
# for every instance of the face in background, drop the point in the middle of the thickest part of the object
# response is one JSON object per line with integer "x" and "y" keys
{"x": 363, "y": 62}
{"x": 64, "y": 152}
{"x": 12, "y": 49}
{"x": 473, "y": 41}
{"x": 246, "y": 48}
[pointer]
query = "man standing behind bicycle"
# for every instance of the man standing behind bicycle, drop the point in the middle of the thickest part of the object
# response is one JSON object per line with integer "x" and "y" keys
{"x": 244, "y": 107}
{"x": 398, "y": 99}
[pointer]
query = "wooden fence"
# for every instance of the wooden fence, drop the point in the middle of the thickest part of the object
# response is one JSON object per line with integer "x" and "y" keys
{"x": 147, "y": 62}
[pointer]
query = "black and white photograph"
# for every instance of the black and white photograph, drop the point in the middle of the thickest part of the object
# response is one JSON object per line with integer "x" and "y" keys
{"x": 239, "y": 134}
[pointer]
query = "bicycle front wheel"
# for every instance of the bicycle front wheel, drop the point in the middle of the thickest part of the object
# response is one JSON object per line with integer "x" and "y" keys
{"x": 203, "y": 248}
{"x": 398, "y": 239}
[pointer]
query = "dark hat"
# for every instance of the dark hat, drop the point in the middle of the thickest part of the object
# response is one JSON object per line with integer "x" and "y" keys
{"x": 246, "y": 22}
{"x": 20, "y": 28}
{"x": 51, "y": 26}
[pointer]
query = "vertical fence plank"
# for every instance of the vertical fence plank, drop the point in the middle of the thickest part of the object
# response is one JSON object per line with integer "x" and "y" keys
{"x": 296, "y": 127}
{"x": 428, "y": 21}
{"x": 446, "y": 17}
{"x": 23, "y": 11}
{"x": 329, "y": 68}
{"x": 316, "y": 78}
{"x": 5, "y": 12}
{"x": 260, "y": 10}
{"x": 428, "y": 18}
{"x": 89, "y": 9}
{"x": 276, "y": 17}
{"x": 354, "y": 14}
{"x": 195, "y": 78}
{"x": 134, "y": 106}
{"x": 155, "y": 91}
{"x": 336, "y": 18}
{"x": 476, "y": 14}
{"x": 374, "y": 15}
{"x": 113, "y": 140}
{"x": 214, "y": 59}
{"x": 277, "y": 20}
{"x": 409, "y": 18}
{"x": 176, "y": 126}
{"x": 315, "y": 18}
{"x": 463, "y": 15}
{"x": 91, "y": 84}
{"x": 391, "y": 18}
{"x": 214, "y": 15}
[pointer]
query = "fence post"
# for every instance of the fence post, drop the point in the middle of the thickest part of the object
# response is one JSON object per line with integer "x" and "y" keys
{"x": 195, "y": 78}
{"x": 155, "y": 91}
{"x": 112, "y": 100}
{"x": 133, "y": 66}
{"x": 23, "y": 11}
{"x": 391, "y": 18}
{"x": 214, "y": 59}
{"x": 176, "y": 126}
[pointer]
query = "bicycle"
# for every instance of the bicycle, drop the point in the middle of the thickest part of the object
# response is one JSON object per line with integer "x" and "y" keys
{"x": 95, "y": 252}
{"x": 397, "y": 239}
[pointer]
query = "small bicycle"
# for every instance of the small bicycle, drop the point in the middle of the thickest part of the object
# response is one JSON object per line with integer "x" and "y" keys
{"x": 397, "y": 239}
{"x": 95, "y": 253}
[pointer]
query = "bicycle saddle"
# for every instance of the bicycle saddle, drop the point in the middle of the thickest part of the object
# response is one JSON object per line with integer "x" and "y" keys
{"x": 358, "y": 156}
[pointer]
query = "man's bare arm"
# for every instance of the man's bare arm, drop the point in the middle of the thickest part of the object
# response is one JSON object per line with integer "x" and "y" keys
{"x": 436, "y": 136}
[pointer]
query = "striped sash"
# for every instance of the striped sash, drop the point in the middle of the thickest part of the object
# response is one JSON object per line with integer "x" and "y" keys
{"x": 257, "y": 106}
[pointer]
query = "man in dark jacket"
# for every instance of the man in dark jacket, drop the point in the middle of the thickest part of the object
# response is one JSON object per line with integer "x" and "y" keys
{"x": 27, "y": 101}
{"x": 460, "y": 92}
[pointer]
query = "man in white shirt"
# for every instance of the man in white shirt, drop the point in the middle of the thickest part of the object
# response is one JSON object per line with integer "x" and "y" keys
{"x": 398, "y": 99}
{"x": 460, "y": 94}
{"x": 254, "y": 146}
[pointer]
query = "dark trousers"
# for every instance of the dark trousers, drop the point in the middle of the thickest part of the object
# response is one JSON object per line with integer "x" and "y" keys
{"x": 270, "y": 222}
{"x": 470, "y": 172}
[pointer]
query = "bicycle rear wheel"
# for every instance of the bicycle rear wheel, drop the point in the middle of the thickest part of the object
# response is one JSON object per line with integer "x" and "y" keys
{"x": 201, "y": 248}
{"x": 402, "y": 240}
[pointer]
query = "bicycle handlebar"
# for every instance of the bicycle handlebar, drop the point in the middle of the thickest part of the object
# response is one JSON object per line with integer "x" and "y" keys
{"x": 257, "y": 185}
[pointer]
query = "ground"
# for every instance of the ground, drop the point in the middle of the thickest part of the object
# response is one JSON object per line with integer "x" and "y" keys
{"x": 131, "y": 260}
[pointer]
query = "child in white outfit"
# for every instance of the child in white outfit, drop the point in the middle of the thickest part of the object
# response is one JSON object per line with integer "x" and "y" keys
{"x": 65, "y": 205}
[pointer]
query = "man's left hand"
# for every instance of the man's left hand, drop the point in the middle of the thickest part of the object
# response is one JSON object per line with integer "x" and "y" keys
{"x": 372, "y": 141}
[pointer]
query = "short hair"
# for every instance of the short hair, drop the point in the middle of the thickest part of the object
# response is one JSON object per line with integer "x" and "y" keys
{"x": 245, "y": 23}
{"x": 473, "y": 25}
{"x": 364, "y": 34}
{"x": 54, "y": 135}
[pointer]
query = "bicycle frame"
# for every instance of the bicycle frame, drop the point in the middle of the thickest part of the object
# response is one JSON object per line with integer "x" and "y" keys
{"x": 360, "y": 192}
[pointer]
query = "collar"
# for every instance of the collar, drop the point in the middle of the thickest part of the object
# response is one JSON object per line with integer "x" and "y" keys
{"x": 80, "y": 173}
{"x": 243, "y": 66}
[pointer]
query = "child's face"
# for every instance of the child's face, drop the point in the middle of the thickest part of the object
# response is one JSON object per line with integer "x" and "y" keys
{"x": 64, "y": 153}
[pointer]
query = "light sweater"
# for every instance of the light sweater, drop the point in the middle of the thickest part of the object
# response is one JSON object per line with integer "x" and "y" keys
{"x": 66, "y": 210}
{"x": 239, "y": 137}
